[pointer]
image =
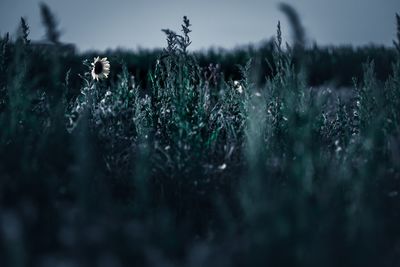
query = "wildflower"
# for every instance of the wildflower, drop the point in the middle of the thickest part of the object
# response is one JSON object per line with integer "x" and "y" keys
{"x": 222, "y": 167}
{"x": 338, "y": 147}
{"x": 101, "y": 68}
{"x": 238, "y": 86}
{"x": 133, "y": 83}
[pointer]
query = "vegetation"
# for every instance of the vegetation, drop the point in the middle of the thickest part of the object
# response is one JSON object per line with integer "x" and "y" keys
{"x": 197, "y": 168}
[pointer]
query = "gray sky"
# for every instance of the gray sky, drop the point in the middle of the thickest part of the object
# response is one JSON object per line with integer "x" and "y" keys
{"x": 105, "y": 24}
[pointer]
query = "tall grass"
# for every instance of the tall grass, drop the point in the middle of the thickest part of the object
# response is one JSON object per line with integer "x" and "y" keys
{"x": 196, "y": 169}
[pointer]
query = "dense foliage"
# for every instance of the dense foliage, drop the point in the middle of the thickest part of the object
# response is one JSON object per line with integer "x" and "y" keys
{"x": 197, "y": 169}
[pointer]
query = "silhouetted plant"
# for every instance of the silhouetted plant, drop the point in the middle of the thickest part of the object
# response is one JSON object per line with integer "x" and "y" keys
{"x": 50, "y": 23}
{"x": 295, "y": 23}
{"x": 24, "y": 31}
{"x": 397, "y": 43}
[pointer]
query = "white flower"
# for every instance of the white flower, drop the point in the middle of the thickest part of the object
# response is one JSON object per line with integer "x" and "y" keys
{"x": 238, "y": 86}
{"x": 222, "y": 167}
{"x": 101, "y": 68}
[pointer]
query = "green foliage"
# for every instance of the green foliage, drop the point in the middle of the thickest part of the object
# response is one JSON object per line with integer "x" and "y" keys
{"x": 196, "y": 169}
{"x": 3, "y": 71}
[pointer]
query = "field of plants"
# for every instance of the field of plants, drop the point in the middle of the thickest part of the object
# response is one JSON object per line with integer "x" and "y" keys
{"x": 196, "y": 163}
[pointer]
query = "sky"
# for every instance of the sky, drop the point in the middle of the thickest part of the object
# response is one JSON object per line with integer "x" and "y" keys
{"x": 132, "y": 24}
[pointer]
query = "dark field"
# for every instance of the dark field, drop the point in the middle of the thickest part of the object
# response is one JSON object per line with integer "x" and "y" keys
{"x": 275, "y": 155}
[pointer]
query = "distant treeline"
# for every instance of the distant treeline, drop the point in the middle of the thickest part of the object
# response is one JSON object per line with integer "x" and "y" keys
{"x": 335, "y": 66}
